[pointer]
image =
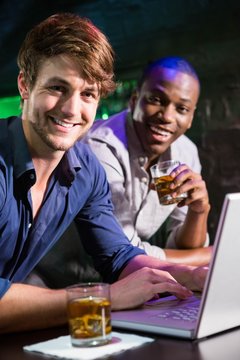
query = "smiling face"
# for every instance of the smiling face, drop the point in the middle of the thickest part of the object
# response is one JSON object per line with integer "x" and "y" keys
{"x": 163, "y": 108}
{"x": 61, "y": 106}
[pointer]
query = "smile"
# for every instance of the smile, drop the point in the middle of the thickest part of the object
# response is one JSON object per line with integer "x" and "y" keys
{"x": 159, "y": 131}
{"x": 64, "y": 124}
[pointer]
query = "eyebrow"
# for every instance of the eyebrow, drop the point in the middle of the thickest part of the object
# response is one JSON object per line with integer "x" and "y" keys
{"x": 159, "y": 90}
{"x": 93, "y": 88}
{"x": 186, "y": 100}
{"x": 56, "y": 78}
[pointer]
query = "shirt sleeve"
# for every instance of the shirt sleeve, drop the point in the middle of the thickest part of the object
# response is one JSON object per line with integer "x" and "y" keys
{"x": 122, "y": 203}
{"x": 188, "y": 153}
{"x": 4, "y": 286}
{"x": 150, "y": 249}
{"x": 174, "y": 223}
{"x": 101, "y": 233}
{"x": 116, "y": 176}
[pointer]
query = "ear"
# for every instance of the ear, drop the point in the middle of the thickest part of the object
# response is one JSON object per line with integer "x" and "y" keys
{"x": 190, "y": 123}
{"x": 22, "y": 86}
{"x": 191, "y": 120}
{"x": 133, "y": 100}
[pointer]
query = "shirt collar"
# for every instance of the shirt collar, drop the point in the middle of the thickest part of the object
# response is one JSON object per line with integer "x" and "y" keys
{"x": 69, "y": 165}
{"x": 22, "y": 160}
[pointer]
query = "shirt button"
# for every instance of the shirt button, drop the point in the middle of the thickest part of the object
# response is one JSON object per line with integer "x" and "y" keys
{"x": 141, "y": 160}
{"x": 32, "y": 176}
{"x": 29, "y": 225}
{"x": 144, "y": 180}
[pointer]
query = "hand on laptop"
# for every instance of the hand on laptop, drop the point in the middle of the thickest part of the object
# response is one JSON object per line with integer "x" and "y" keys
{"x": 199, "y": 277}
{"x": 190, "y": 276}
{"x": 143, "y": 285}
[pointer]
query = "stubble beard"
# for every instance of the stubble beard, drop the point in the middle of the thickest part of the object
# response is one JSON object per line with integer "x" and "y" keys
{"x": 49, "y": 140}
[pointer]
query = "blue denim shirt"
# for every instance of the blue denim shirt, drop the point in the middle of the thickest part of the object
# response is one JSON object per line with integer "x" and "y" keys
{"x": 78, "y": 190}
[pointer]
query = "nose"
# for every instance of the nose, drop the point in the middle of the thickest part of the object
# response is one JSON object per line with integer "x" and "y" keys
{"x": 71, "y": 106}
{"x": 168, "y": 113}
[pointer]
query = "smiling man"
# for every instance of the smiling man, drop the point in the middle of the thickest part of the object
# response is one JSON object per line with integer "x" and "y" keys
{"x": 160, "y": 111}
{"x": 49, "y": 177}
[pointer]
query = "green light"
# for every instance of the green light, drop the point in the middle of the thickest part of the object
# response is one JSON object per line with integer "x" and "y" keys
{"x": 104, "y": 116}
{"x": 9, "y": 106}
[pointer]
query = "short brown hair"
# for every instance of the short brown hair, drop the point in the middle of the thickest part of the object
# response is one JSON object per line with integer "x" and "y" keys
{"x": 71, "y": 35}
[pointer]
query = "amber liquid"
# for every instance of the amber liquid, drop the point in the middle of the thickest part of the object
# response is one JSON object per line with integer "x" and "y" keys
{"x": 164, "y": 192}
{"x": 89, "y": 318}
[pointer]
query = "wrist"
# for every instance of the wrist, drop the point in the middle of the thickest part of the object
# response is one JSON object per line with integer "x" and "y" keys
{"x": 182, "y": 273}
{"x": 203, "y": 210}
{"x": 114, "y": 297}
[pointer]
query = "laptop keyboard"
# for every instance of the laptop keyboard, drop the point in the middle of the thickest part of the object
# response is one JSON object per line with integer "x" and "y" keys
{"x": 183, "y": 314}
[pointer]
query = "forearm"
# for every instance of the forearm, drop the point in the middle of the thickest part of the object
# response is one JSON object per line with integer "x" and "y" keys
{"x": 26, "y": 307}
{"x": 141, "y": 261}
{"x": 197, "y": 257}
{"x": 192, "y": 234}
{"x": 186, "y": 275}
{"x": 180, "y": 272}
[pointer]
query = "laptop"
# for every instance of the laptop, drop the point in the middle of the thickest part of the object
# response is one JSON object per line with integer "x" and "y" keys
{"x": 217, "y": 308}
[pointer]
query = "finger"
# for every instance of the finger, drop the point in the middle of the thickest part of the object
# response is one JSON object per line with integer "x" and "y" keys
{"x": 196, "y": 189}
{"x": 179, "y": 169}
{"x": 152, "y": 186}
{"x": 183, "y": 173}
{"x": 195, "y": 198}
{"x": 163, "y": 281}
{"x": 173, "y": 288}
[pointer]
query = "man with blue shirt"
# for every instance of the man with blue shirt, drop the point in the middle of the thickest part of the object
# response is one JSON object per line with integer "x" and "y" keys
{"x": 48, "y": 178}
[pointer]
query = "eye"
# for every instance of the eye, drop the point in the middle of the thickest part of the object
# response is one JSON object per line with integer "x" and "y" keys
{"x": 182, "y": 109}
{"x": 154, "y": 99}
{"x": 56, "y": 88}
{"x": 89, "y": 95}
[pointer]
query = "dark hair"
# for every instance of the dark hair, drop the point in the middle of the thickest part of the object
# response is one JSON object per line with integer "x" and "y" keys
{"x": 69, "y": 34}
{"x": 171, "y": 62}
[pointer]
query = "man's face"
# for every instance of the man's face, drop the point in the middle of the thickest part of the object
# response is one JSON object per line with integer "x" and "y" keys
{"x": 163, "y": 109}
{"x": 60, "y": 108}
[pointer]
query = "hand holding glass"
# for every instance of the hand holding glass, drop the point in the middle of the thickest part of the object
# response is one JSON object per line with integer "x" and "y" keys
{"x": 89, "y": 314}
{"x": 162, "y": 179}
